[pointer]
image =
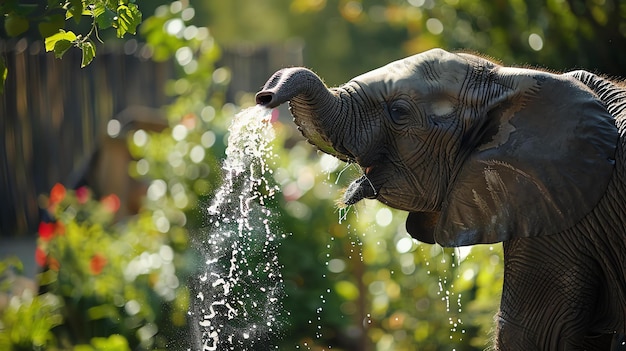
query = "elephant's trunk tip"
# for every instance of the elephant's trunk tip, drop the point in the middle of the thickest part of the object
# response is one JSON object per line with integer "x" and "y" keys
{"x": 286, "y": 84}
{"x": 266, "y": 98}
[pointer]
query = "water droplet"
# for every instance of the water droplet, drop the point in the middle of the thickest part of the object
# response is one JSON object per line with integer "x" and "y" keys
{"x": 238, "y": 222}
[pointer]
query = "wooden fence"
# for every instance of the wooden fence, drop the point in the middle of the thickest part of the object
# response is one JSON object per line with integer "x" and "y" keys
{"x": 52, "y": 112}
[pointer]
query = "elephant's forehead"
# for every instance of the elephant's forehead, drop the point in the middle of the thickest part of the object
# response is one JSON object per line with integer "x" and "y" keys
{"x": 415, "y": 73}
{"x": 393, "y": 71}
{"x": 390, "y": 79}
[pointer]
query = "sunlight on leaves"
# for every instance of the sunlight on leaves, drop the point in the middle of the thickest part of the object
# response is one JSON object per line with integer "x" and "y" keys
{"x": 128, "y": 18}
{"x": 52, "y": 41}
{"x": 105, "y": 17}
{"x": 3, "y": 74}
{"x": 89, "y": 52}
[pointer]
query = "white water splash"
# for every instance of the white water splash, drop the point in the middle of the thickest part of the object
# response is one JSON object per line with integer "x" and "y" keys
{"x": 238, "y": 293}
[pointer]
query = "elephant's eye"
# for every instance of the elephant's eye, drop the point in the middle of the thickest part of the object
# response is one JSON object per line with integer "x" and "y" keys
{"x": 400, "y": 111}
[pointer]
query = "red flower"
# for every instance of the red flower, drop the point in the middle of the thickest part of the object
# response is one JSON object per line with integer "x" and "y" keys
{"x": 59, "y": 228}
{"x": 40, "y": 257}
{"x": 111, "y": 203}
{"x": 82, "y": 195}
{"x": 54, "y": 264}
{"x": 46, "y": 231}
{"x": 97, "y": 263}
{"x": 57, "y": 194}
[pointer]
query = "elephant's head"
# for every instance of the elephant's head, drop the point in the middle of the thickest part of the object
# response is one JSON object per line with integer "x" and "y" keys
{"x": 476, "y": 152}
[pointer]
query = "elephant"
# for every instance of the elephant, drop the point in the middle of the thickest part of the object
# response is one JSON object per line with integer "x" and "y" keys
{"x": 480, "y": 153}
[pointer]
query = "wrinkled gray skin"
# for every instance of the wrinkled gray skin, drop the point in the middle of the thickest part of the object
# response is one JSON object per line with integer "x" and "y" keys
{"x": 480, "y": 153}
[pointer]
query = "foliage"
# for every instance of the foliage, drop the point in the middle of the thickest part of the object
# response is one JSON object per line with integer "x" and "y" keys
{"x": 345, "y": 38}
{"x": 51, "y": 18}
{"x": 123, "y": 285}
{"x": 306, "y": 209}
{"x": 184, "y": 169}
{"x": 28, "y": 320}
{"x": 104, "y": 284}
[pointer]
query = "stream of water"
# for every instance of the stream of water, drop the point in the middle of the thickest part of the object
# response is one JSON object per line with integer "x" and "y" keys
{"x": 238, "y": 294}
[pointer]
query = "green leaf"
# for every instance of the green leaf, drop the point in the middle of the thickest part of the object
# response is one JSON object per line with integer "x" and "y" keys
{"x": 103, "y": 15}
{"x": 128, "y": 18}
{"x": 52, "y": 40}
{"x": 75, "y": 9}
{"x": 60, "y": 47}
{"x": 11, "y": 262}
{"x": 112, "y": 3}
{"x": 102, "y": 311}
{"x": 51, "y": 25}
{"x": 3, "y": 74}
{"x": 89, "y": 52}
{"x": 114, "y": 342}
{"x": 15, "y": 24}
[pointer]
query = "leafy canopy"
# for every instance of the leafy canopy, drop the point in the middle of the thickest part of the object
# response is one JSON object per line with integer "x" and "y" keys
{"x": 51, "y": 19}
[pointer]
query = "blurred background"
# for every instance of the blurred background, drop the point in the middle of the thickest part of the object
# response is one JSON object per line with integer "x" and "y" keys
{"x": 110, "y": 153}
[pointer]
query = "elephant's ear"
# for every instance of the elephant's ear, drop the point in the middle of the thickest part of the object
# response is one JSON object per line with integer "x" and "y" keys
{"x": 422, "y": 225}
{"x": 543, "y": 162}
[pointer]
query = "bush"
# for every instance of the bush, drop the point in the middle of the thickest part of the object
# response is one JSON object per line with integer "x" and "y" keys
{"x": 102, "y": 283}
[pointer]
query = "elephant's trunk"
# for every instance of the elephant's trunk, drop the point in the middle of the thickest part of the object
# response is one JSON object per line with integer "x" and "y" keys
{"x": 315, "y": 108}
{"x": 288, "y": 83}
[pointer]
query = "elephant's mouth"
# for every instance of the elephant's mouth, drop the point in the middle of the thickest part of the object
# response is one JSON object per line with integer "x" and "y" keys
{"x": 362, "y": 188}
